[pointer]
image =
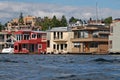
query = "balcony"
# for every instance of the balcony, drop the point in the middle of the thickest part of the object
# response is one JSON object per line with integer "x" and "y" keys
{"x": 59, "y": 40}
{"x": 89, "y": 39}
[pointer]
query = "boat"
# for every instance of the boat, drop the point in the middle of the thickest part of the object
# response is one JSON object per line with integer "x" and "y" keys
{"x": 9, "y": 49}
{"x": 9, "y": 46}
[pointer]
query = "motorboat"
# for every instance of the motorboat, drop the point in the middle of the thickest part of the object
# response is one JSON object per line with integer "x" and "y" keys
{"x": 8, "y": 50}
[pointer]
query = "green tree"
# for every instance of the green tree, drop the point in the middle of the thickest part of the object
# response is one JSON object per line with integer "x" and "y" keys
{"x": 38, "y": 21}
{"x": 55, "y": 22}
{"x": 72, "y": 19}
{"x": 45, "y": 23}
{"x": 1, "y": 26}
{"x": 21, "y": 22}
{"x": 108, "y": 20}
{"x": 63, "y": 21}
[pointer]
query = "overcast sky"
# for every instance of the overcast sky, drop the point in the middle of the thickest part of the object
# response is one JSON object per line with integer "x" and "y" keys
{"x": 82, "y": 9}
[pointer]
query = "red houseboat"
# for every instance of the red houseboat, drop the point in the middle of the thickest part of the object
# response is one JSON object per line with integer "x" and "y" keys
{"x": 30, "y": 42}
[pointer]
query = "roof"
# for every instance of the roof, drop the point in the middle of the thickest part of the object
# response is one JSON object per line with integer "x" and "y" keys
{"x": 39, "y": 31}
{"x": 59, "y": 29}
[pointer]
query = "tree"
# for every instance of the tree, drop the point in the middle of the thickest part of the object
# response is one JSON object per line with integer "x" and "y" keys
{"x": 108, "y": 20}
{"x": 55, "y": 22}
{"x": 45, "y": 23}
{"x": 72, "y": 19}
{"x": 1, "y": 26}
{"x": 63, "y": 21}
{"x": 21, "y": 22}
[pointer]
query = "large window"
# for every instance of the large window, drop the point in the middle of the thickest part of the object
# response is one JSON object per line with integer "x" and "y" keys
{"x": 94, "y": 44}
{"x": 33, "y": 35}
{"x": 26, "y": 36}
{"x": 38, "y": 35}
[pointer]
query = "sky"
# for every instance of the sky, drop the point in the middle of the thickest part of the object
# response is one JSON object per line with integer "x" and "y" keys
{"x": 81, "y": 9}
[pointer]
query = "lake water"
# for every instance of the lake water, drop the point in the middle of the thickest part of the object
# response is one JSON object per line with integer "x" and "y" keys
{"x": 59, "y": 67}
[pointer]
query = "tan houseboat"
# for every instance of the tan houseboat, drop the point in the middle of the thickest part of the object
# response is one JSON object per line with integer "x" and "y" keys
{"x": 90, "y": 39}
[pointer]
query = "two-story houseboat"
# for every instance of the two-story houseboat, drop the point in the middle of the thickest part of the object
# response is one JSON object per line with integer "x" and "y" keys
{"x": 58, "y": 40}
{"x": 30, "y": 42}
{"x": 90, "y": 39}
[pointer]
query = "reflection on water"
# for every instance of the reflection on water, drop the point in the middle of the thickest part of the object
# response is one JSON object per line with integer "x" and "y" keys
{"x": 59, "y": 67}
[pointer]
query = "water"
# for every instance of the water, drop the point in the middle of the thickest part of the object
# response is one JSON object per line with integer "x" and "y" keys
{"x": 59, "y": 67}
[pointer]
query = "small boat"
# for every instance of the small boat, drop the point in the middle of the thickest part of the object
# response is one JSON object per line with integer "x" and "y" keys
{"x": 8, "y": 50}
{"x": 9, "y": 46}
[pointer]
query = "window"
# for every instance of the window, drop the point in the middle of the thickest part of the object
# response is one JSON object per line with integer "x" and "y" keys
{"x": 110, "y": 44}
{"x": 38, "y": 36}
{"x": 65, "y": 45}
{"x": 61, "y": 46}
{"x": 40, "y": 46}
{"x": 43, "y": 36}
{"x": 94, "y": 45}
{"x": 54, "y": 35}
{"x": 61, "y": 35}
{"x": 26, "y": 36}
{"x": 111, "y": 29}
{"x": 54, "y": 46}
{"x": 33, "y": 35}
{"x": 77, "y": 45}
{"x": 16, "y": 47}
{"x": 48, "y": 43}
{"x": 57, "y": 46}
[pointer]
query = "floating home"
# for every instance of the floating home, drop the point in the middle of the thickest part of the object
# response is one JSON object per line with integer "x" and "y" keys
{"x": 30, "y": 42}
{"x": 59, "y": 40}
{"x": 91, "y": 38}
{"x": 114, "y": 38}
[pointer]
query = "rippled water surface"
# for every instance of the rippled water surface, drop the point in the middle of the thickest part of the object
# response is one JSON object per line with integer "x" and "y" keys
{"x": 59, "y": 67}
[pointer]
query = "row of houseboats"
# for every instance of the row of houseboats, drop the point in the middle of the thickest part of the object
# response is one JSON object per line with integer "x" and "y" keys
{"x": 95, "y": 39}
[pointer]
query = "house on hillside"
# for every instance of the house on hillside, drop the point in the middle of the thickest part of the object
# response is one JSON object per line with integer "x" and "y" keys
{"x": 29, "y": 24}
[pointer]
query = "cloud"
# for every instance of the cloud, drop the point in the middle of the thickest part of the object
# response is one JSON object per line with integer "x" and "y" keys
{"x": 10, "y": 10}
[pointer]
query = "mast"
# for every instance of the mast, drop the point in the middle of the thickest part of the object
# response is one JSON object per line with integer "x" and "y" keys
{"x": 96, "y": 12}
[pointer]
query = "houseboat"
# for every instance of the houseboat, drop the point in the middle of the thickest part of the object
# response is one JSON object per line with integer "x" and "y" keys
{"x": 58, "y": 40}
{"x": 91, "y": 38}
{"x": 30, "y": 42}
{"x": 114, "y": 38}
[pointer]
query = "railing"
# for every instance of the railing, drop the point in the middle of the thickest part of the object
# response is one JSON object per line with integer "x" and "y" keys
{"x": 59, "y": 39}
{"x": 89, "y": 39}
